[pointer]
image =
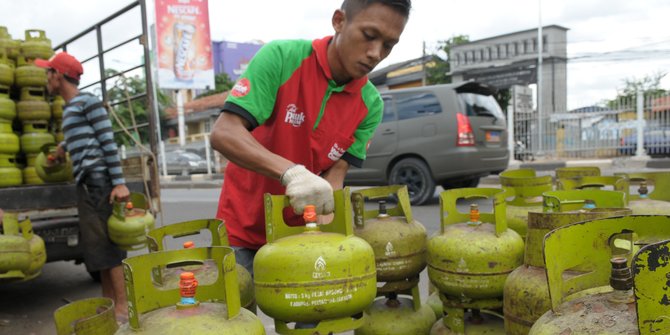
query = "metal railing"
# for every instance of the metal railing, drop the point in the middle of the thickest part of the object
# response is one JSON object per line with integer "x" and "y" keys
{"x": 634, "y": 126}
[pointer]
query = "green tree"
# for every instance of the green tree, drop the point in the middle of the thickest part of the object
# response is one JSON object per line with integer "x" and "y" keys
{"x": 438, "y": 67}
{"x": 222, "y": 83}
{"x": 132, "y": 111}
{"x": 650, "y": 85}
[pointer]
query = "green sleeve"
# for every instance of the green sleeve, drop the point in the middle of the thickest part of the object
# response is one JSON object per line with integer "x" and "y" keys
{"x": 272, "y": 66}
{"x": 367, "y": 128}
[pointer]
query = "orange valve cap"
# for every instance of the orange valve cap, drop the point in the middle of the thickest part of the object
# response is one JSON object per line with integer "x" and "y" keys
{"x": 189, "y": 245}
{"x": 187, "y": 287}
{"x": 309, "y": 214}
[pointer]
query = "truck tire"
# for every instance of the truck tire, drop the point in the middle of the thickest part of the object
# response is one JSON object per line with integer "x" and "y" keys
{"x": 414, "y": 173}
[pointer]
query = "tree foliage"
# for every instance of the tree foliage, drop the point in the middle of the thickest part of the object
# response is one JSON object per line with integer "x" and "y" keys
{"x": 222, "y": 83}
{"x": 650, "y": 85}
{"x": 438, "y": 68}
{"x": 132, "y": 111}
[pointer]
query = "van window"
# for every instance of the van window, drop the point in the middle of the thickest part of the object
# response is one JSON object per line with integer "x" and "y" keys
{"x": 389, "y": 114}
{"x": 480, "y": 105}
{"x": 418, "y": 104}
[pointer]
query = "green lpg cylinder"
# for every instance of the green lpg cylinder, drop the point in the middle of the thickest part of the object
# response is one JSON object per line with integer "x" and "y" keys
{"x": 10, "y": 175}
{"x": 92, "y": 316}
{"x": 572, "y": 172}
{"x": 6, "y": 70}
{"x": 50, "y": 169}
{"x": 35, "y": 136}
{"x": 651, "y": 270}
{"x": 36, "y": 45}
{"x": 206, "y": 272}
{"x": 130, "y": 222}
{"x": 7, "y": 105}
{"x": 645, "y": 201}
{"x": 526, "y": 292}
{"x": 11, "y": 46}
{"x": 192, "y": 308}
{"x": 469, "y": 260}
{"x": 394, "y": 314}
{"x": 9, "y": 142}
{"x": 30, "y": 176}
{"x": 15, "y": 256}
{"x": 38, "y": 255}
{"x": 27, "y": 75}
{"x": 527, "y": 189}
{"x": 33, "y": 106}
{"x": 584, "y": 252}
{"x": 57, "y": 107}
{"x": 323, "y": 276}
{"x": 398, "y": 240}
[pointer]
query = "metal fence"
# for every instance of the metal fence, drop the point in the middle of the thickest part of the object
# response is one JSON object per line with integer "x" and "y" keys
{"x": 636, "y": 126}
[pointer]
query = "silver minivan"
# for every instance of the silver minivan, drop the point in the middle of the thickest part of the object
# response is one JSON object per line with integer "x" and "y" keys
{"x": 449, "y": 135}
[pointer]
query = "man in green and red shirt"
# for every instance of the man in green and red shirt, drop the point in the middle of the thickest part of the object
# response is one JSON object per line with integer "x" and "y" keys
{"x": 302, "y": 112}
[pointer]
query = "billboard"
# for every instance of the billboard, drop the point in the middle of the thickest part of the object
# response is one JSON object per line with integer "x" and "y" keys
{"x": 184, "y": 44}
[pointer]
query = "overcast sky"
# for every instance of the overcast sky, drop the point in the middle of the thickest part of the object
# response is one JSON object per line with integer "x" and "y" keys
{"x": 620, "y": 38}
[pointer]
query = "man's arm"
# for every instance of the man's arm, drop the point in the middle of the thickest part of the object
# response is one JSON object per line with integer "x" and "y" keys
{"x": 336, "y": 173}
{"x": 230, "y": 136}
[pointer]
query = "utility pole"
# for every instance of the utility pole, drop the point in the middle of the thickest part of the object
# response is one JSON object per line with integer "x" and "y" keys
{"x": 540, "y": 121}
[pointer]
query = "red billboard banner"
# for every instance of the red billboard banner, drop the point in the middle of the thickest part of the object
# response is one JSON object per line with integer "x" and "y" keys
{"x": 184, "y": 44}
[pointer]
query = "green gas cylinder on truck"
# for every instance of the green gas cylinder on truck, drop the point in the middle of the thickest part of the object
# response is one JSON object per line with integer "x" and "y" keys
{"x": 130, "y": 221}
{"x": 469, "y": 260}
{"x": 207, "y": 271}
{"x": 579, "y": 259}
{"x": 527, "y": 189}
{"x": 526, "y": 292}
{"x": 320, "y": 276}
{"x": 191, "y": 308}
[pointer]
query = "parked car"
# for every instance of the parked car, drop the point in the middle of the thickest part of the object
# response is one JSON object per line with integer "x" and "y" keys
{"x": 656, "y": 143}
{"x": 449, "y": 135}
{"x": 183, "y": 162}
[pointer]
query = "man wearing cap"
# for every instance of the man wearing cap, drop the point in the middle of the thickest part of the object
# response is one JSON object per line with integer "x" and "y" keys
{"x": 97, "y": 170}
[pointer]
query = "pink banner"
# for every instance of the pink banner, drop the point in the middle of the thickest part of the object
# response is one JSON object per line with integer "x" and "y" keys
{"x": 184, "y": 44}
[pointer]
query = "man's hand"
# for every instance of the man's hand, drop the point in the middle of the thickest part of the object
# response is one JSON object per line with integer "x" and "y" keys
{"x": 305, "y": 188}
{"x": 120, "y": 192}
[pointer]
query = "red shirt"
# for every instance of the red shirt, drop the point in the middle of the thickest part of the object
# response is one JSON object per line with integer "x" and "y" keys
{"x": 299, "y": 113}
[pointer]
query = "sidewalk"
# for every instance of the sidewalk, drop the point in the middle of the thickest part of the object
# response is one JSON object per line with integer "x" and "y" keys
{"x": 608, "y": 166}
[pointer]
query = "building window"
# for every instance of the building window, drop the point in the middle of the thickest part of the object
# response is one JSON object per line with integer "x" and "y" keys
{"x": 545, "y": 43}
{"x": 208, "y": 126}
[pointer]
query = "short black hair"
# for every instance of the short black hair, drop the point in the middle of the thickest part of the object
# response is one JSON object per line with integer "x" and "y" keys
{"x": 352, "y": 7}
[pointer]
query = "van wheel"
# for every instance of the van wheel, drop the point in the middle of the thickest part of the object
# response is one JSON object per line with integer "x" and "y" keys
{"x": 416, "y": 175}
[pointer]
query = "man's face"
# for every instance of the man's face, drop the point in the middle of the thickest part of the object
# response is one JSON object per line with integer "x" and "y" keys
{"x": 365, "y": 40}
{"x": 53, "y": 82}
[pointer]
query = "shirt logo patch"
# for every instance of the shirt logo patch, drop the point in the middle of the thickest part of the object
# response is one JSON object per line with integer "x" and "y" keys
{"x": 241, "y": 88}
{"x": 293, "y": 117}
{"x": 336, "y": 152}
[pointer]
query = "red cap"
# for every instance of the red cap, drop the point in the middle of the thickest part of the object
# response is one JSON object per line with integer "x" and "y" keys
{"x": 63, "y": 63}
{"x": 188, "y": 245}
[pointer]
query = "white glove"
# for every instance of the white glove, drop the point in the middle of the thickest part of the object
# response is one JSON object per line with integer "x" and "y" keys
{"x": 305, "y": 188}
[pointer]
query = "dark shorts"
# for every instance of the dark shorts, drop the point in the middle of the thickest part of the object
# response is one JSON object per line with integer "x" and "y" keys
{"x": 100, "y": 252}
